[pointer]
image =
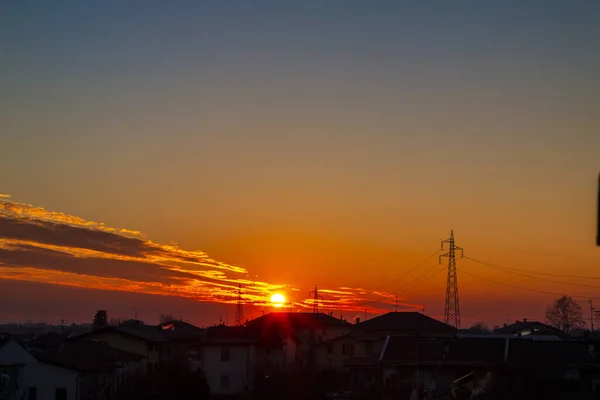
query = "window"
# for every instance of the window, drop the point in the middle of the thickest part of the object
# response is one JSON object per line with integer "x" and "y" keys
{"x": 348, "y": 349}
{"x": 224, "y": 381}
{"x": 225, "y": 354}
{"x": 32, "y": 393}
{"x": 170, "y": 354}
{"x": 60, "y": 394}
{"x": 329, "y": 348}
{"x": 193, "y": 356}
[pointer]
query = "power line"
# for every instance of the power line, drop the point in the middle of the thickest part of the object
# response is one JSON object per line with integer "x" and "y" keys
{"x": 426, "y": 279}
{"x": 415, "y": 267}
{"x": 413, "y": 282}
{"x": 545, "y": 253}
{"x": 511, "y": 271}
{"x": 533, "y": 272}
{"x": 523, "y": 288}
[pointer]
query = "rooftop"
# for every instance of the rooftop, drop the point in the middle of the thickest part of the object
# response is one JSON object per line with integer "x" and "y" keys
{"x": 404, "y": 322}
{"x": 87, "y": 356}
{"x": 294, "y": 321}
{"x": 535, "y": 327}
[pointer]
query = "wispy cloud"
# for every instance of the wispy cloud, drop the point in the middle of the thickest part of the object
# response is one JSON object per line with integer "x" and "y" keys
{"x": 38, "y": 245}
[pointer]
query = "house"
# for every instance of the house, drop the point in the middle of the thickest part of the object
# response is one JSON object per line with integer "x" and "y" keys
{"x": 525, "y": 328}
{"x": 183, "y": 346}
{"x": 433, "y": 365}
{"x": 306, "y": 329}
{"x": 229, "y": 360}
{"x": 86, "y": 369}
{"x": 516, "y": 368}
{"x": 144, "y": 341}
{"x": 73, "y": 373}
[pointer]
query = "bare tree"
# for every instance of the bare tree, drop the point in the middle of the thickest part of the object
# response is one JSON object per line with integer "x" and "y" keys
{"x": 565, "y": 314}
{"x": 9, "y": 389}
{"x": 116, "y": 321}
{"x": 166, "y": 318}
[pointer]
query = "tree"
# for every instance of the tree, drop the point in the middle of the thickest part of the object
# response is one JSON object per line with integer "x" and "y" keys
{"x": 132, "y": 323}
{"x": 565, "y": 314}
{"x": 479, "y": 327}
{"x": 166, "y": 318}
{"x": 9, "y": 390}
{"x": 100, "y": 319}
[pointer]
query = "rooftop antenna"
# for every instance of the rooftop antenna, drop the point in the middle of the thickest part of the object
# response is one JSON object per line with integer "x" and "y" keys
{"x": 239, "y": 309}
{"x": 365, "y": 314}
{"x": 135, "y": 313}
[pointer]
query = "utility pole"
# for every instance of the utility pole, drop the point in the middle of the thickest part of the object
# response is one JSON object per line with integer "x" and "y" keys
{"x": 396, "y": 303}
{"x": 451, "y": 306}
{"x": 316, "y": 298}
{"x": 239, "y": 309}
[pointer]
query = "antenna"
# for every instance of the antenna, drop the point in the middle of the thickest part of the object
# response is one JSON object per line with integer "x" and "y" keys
{"x": 451, "y": 307}
{"x": 239, "y": 309}
{"x": 316, "y": 298}
{"x": 396, "y": 303}
{"x": 135, "y": 313}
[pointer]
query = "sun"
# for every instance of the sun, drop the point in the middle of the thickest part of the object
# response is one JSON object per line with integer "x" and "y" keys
{"x": 277, "y": 299}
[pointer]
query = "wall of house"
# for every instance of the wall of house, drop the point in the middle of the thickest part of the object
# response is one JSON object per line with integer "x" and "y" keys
{"x": 178, "y": 353}
{"x": 47, "y": 378}
{"x": 331, "y": 354}
{"x": 239, "y": 369}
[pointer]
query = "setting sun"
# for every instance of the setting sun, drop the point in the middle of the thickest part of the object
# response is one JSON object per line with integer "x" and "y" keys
{"x": 277, "y": 299}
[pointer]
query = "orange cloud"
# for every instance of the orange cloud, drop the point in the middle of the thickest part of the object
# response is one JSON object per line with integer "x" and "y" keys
{"x": 37, "y": 245}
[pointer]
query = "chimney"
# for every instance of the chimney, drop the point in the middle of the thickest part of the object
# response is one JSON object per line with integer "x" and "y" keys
{"x": 524, "y": 319}
{"x": 505, "y": 325}
{"x": 357, "y": 320}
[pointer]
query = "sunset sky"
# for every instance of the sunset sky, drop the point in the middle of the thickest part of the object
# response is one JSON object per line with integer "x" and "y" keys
{"x": 154, "y": 155}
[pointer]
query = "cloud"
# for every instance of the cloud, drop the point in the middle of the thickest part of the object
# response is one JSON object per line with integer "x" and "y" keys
{"x": 37, "y": 245}
{"x": 4, "y": 196}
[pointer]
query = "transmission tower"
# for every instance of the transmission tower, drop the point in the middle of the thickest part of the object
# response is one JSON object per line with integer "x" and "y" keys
{"x": 316, "y": 298}
{"x": 451, "y": 307}
{"x": 239, "y": 310}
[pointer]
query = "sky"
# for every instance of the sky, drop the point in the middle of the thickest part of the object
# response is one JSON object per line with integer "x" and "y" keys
{"x": 281, "y": 145}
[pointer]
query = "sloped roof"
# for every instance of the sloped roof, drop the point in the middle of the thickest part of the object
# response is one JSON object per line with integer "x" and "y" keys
{"x": 180, "y": 330}
{"x": 530, "y": 325}
{"x": 404, "y": 322}
{"x": 147, "y": 333}
{"x": 48, "y": 341}
{"x": 87, "y": 356}
{"x": 297, "y": 321}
